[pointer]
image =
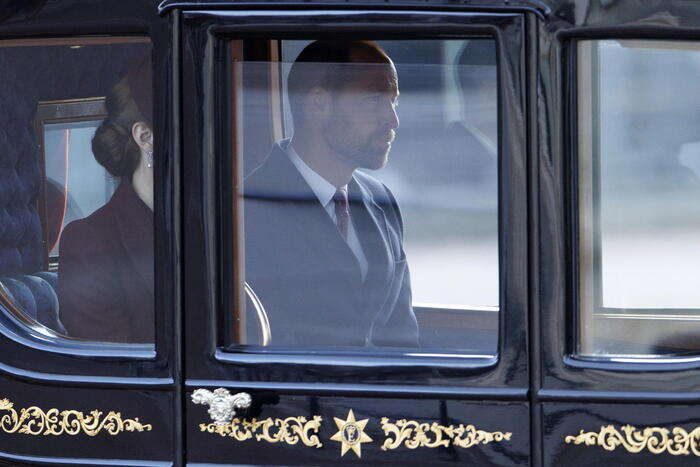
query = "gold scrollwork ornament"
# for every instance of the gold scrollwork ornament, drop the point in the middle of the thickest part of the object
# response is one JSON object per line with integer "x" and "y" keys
{"x": 290, "y": 430}
{"x": 36, "y": 421}
{"x": 413, "y": 434}
{"x": 677, "y": 441}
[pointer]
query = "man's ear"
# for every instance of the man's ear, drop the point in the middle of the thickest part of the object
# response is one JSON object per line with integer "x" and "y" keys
{"x": 143, "y": 136}
{"x": 319, "y": 101}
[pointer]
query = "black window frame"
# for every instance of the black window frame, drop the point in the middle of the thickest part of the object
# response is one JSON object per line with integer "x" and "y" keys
{"x": 565, "y": 373}
{"x": 483, "y": 314}
{"x": 55, "y": 112}
{"x": 209, "y": 32}
{"x": 597, "y": 263}
{"x": 36, "y": 353}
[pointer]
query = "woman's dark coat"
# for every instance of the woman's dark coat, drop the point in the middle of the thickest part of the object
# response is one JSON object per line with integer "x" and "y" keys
{"x": 105, "y": 275}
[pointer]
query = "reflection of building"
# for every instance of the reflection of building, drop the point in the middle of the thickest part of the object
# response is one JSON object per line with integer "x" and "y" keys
{"x": 443, "y": 170}
{"x": 76, "y": 184}
{"x": 644, "y": 122}
{"x": 690, "y": 156}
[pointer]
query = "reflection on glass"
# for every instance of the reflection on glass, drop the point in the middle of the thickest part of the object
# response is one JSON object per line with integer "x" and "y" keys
{"x": 106, "y": 260}
{"x": 445, "y": 174}
{"x": 76, "y": 242}
{"x": 639, "y": 187}
{"x": 73, "y": 173}
{"x": 420, "y": 179}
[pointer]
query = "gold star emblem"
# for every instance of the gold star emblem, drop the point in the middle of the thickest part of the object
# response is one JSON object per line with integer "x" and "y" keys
{"x": 351, "y": 433}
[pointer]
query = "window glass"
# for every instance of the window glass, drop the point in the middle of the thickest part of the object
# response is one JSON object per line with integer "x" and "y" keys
{"x": 369, "y": 194}
{"x": 71, "y": 168}
{"x": 639, "y": 185}
{"x": 76, "y": 252}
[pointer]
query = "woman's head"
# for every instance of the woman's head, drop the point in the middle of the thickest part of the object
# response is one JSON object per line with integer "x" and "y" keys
{"x": 124, "y": 138}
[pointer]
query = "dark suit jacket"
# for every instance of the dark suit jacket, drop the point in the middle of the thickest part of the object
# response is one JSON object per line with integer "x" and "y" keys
{"x": 305, "y": 274}
{"x": 105, "y": 275}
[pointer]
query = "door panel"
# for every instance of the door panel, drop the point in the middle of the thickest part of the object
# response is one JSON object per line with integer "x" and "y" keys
{"x": 580, "y": 433}
{"x": 450, "y": 382}
{"x": 76, "y": 424}
{"x": 401, "y": 431}
{"x": 98, "y": 396}
{"x": 617, "y": 323}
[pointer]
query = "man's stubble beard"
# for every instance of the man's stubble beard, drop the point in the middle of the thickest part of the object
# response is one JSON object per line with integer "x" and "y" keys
{"x": 362, "y": 155}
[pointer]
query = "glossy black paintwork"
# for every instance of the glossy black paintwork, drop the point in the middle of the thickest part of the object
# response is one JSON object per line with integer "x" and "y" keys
{"x": 557, "y": 375}
{"x": 564, "y": 392}
{"x": 203, "y": 32}
{"x": 99, "y": 18}
{"x": 141, "y": 383}
{"x": 488, "y": 416}
{"x": 568, "y": 419}
{"x": 541, "y": 8}
{"x": 324, "y": 376}
{"x": 561, "y": 370}
{"x": 152, "y": 407}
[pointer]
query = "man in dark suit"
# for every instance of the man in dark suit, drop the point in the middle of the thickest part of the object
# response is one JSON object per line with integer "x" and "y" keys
{"x": 323, "y": 241}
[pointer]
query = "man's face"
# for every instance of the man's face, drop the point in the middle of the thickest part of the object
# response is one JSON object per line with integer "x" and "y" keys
{"x": 362, "y": 120}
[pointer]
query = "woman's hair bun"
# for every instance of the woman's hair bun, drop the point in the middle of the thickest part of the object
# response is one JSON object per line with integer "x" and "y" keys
{"x": 113, "y": 144}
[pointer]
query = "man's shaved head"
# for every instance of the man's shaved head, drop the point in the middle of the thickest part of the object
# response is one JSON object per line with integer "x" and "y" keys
{"x": 331, "y": 65}
{"x": 345, "y": 93}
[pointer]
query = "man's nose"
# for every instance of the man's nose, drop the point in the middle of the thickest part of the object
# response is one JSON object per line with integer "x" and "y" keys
{"x": 392, "y": 119}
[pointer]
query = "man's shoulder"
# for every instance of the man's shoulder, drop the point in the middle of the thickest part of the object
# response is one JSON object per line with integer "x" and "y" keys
{"x": 268, "y": 191}
{"x": 367, "y": 179}
{"x": 258, "y": 175}
{"x": 381, "y": 193}
{"x": 382, "y": 196}
{"x": 273, "y": 174}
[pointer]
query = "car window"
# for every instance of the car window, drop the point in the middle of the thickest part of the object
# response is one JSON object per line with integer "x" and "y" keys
{"x": 638, "y": 186}
{"x": 77, "y": 145}
{"x": 368, "y": 199}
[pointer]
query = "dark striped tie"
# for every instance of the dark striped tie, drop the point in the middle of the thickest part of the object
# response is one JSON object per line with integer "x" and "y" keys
{"x": 342, "y": 211}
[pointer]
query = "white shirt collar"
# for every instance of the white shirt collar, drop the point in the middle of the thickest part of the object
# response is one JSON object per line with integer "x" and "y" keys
{"x": 322, "y": 188}
{"x": 325, "y": 191}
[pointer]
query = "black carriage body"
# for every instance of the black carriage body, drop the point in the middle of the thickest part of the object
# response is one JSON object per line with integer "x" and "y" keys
{"x": 535, "y": 401}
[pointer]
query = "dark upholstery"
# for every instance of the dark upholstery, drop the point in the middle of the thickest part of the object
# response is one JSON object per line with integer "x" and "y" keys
{"x": 36, "y": 294}
{"x": 30, "y": 75}
{"x": 22, "y": 295}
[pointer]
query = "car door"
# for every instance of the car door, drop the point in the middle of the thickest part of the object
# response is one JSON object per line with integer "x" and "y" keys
{"x": 617, "y": 379}
{"x": 280, "y": 368}
{"x": 75, "y": 390}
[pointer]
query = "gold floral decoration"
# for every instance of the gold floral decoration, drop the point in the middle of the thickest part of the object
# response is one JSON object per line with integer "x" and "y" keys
{"x": 290, "y": 430}
{"x": 677, "y": 441}
{"x": 413, "y": 434}
{"x": 36, "y": 421}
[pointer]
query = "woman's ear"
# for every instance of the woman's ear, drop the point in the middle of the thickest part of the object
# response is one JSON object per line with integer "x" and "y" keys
{"x": 143, "y": 136}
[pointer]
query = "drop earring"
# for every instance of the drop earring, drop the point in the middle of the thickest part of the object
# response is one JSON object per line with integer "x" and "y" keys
{"x": 149, "y": 158}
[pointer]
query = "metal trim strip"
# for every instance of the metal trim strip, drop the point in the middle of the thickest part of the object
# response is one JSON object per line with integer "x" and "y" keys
{"x": 43, "y": 460}
{"x": 617, "y": 397}
{"x": 339, "y": 389}
{"x": 53, "y": 378}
